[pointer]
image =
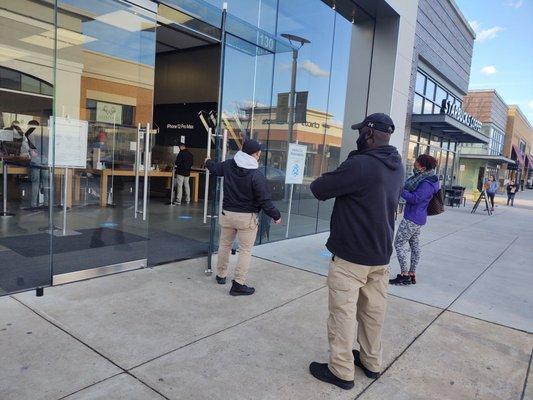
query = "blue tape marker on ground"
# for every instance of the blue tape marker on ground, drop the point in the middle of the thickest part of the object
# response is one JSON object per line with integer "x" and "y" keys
{"x": 185, "y": 217}
{"x": 108, "y": 225}
{"x": 325, "y": 254}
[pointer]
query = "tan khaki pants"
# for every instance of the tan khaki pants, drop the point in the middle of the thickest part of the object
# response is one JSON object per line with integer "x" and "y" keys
{"x": 243, "y": 225}
{"x": 356, "y": 293}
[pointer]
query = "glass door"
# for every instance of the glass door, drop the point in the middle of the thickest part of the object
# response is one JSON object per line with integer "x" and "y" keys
{"x": 245, "y": 107}
{"x": 26, "y": 102}
{"x": 102, "y": 137}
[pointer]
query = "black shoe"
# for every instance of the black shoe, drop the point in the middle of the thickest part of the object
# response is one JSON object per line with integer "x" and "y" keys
{"x": 322, "y": 373}
{"x": 233, "y": 252}
{"x": 220, "y": 281}
{"x": 357, "y": 361}
{"x": 400, "y": 280}
{"x": 241, "y": 290}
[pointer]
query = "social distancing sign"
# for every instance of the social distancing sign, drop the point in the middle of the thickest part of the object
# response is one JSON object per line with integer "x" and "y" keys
{"x": 294, "y": 174}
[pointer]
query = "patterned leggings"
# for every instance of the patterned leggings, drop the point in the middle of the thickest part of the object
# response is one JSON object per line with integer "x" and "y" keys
{"x": 408, "y": 232}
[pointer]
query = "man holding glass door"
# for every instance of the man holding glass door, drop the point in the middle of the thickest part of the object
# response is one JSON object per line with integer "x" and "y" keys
{"x": 245, "y": 195}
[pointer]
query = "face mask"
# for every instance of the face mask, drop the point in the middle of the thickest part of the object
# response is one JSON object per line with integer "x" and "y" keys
{"x": 362, "y": 143}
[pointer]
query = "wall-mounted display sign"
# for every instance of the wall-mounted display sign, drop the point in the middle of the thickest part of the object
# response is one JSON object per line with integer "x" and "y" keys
{"x": 109, "y": 113}
{"x": 69, "y": 141}
{"x": 295, "y": 164}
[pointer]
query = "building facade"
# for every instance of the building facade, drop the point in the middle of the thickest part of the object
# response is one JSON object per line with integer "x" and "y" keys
{"x": 479, "y": 161}
{"x": 519, "y": 147}
{"x": 436, "y": 123}
{"x": 95, "y": 96}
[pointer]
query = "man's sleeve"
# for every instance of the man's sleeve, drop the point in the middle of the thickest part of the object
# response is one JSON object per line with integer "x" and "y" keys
{"x": 344, "y": 180}
{"x": 263, "y": 197}
{"x": 215, "y": 168}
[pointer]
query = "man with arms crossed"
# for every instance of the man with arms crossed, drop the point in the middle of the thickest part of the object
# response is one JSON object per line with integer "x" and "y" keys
{"x": 366, "y": 188}
{"x": 245, "y": 195}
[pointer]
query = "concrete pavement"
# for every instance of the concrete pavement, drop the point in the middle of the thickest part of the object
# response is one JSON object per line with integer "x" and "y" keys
{"x": 463, "y": 332}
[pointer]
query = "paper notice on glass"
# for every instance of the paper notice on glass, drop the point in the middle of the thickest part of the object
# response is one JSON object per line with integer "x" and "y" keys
{"x": 69, "y": 141}
{"x": 295, "y": 164}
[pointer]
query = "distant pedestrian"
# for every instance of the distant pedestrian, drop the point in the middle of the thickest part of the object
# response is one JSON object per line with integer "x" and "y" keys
{"x": 366, "y": 189}
{"x": 245, "y": 195}
{"x": 184, "y": 163}
{"x": 491, "y": 187}
{"x": 512, "y": 189}
{"x": 417, "y": 193}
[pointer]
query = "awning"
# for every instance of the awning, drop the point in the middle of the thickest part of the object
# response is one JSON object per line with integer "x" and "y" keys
{"x": 529, "y": 162}
{"x": 488, "y": 157}
{"x": 447, "y": 127}
{"x": 518, "y": 155}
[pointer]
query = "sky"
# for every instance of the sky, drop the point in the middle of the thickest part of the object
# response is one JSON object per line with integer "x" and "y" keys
{"x": 503, "y": 50}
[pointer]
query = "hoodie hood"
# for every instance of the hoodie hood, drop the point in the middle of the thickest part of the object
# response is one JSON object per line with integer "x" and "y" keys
{"x": 388, "y": 155}
{"x": 245, "y": 161}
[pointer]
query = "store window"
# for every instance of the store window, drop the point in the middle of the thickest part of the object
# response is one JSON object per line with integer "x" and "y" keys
{"x": 522, "y": 146}
{"x": 496, "y": 143}
{"x": 429, "y": 95}
{"x": 15, "y": 80}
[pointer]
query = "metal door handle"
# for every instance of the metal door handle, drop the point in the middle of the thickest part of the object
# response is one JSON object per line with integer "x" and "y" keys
{"x": 147, "y": 162}
{"x": 206, "y": 188}
{"x": 224, "y": 152}
{"x": 137, "y": 166}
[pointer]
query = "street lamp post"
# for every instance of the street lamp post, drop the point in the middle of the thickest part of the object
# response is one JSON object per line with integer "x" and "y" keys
{"x": 292, "y": 94}
{"x": 292, "y": 106}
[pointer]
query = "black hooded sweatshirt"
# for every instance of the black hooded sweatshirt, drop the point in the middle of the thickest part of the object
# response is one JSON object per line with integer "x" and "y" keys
{"x": 366, "y": 188}
{"x": 245, "y": 190}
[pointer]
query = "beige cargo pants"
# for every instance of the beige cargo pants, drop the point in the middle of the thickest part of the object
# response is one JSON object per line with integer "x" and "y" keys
{"x": 357, "y": 293}
{"x": 243, "y": 225}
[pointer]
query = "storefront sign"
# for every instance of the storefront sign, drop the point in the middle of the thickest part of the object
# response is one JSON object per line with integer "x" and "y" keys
{"x": 460, "y": 115}
{"x": 107, "y": 112}
{"x": 295, "y": 164}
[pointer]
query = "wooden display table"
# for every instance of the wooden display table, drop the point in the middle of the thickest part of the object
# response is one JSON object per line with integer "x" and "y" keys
{"x": 106, "y": 173}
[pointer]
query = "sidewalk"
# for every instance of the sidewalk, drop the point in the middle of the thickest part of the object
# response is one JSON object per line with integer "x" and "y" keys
{"x": 463, "y": 332}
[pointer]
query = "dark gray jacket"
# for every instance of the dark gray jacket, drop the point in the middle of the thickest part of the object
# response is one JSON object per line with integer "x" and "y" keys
{"x": 366, "y": 188}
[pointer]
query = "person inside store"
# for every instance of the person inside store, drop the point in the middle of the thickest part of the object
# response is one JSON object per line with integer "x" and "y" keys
{"x": 245, "y": 195}
{"x": 39, "y": 173}
{"x": 366, "y": 188}
{"x": 184, "y": 162}
{"x": 417, "y": 193}
{"x": 512, "y": 189}
{"x": 491, "y": 187}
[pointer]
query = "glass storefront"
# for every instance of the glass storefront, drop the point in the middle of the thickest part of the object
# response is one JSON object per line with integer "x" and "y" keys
{"x": 96, "y": 96}
{"x": 444, "y": 151}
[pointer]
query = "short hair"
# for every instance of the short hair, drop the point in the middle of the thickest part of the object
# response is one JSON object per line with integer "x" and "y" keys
{"x": 427, "y": 161}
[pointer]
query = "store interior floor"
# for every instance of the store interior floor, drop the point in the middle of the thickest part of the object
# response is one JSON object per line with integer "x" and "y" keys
{"x": 106, "y": 236}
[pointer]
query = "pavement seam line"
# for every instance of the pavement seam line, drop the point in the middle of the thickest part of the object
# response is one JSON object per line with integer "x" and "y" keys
{"x": 527, "y": 376}
{"x": 64, "y": 330}
{"x": 461, "y": 314}
{"x": 437, "y": 317}
{"x": 228, "y": 327}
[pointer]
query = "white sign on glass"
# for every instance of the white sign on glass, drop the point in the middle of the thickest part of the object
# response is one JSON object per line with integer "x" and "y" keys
{"x": 295, "y": 164}
{"x": 70, "y": 140}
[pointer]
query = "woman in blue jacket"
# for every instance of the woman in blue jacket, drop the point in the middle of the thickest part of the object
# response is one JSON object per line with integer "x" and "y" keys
{"x": 491, "y": 187}
{"x": 417, "y": 193}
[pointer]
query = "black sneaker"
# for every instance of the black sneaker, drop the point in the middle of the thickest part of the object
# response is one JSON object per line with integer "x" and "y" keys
{"x": 220, "y": 281}
{"x": 241, "y": 290}
{"x": 357, "y": 361}
{"x": 400, "y": 280}
{"x": 322, "y": 373}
